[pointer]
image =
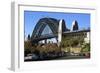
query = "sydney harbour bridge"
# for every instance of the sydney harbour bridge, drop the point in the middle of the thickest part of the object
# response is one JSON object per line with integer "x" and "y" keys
{"x": 46, "y": 50}
{"x": 54, "y": 25}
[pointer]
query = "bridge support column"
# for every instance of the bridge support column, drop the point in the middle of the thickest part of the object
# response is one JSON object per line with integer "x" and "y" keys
{"x": 45, "y": 41}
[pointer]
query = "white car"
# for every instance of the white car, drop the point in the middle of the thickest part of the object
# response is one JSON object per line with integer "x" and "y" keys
{"x": 28, "y": 57}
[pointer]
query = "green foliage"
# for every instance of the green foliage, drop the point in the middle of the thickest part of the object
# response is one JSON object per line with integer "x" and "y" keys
{"x": 27, "y": 47}
{"x": 42, "y": 48}
{"x": 86, "y": 47}
{"x": 71, "y": 41}
{"x": 48, "y": 48}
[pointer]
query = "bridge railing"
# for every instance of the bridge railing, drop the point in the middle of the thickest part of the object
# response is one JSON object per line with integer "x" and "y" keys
{"x": 45, "y": 36}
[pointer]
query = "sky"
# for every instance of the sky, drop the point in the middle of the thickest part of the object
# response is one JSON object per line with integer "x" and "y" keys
{"x": 32, "y": 17}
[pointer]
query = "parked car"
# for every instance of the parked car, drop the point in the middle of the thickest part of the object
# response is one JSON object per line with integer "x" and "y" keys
{"x": 28, "y": 57}
{"x": 34, "y": 57}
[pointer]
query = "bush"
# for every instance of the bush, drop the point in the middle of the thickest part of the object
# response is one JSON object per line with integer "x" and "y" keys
{"x": 86, "y": 47}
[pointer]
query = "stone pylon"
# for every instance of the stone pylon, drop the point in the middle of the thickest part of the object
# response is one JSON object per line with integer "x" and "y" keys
{"x": 60, "y": 32}
{"x": 74, "y": 25}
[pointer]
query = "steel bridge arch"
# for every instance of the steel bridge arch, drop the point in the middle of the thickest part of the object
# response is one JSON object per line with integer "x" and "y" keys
{"x": 51, "y": 22}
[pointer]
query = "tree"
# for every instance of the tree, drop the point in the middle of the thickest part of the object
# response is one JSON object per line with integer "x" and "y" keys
{"x": 27, "y": 47}
{"x": 28, "y": 37}
{"x": 68, "y": 42}
{"x": 86, "y": 47}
